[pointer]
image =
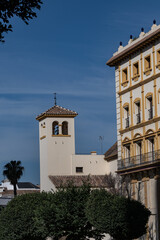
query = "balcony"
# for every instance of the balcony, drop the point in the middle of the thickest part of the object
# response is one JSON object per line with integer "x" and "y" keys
{"x": 138, "y": 115}
{"x": 150, "y": 113}
{"x": 127, "y": 122}
{"x": 131, "y": 162}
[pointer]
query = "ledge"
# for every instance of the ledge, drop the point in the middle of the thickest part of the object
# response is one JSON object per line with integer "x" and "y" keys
{"x": 124, "y": 84}
{"x": 61, "y": 135}
{"x": 139, "y": 84}
{"x": 155, "y": 119}
{"x": 158, "y": 66}
{"x": 136, "y": 77}
{"x": 148, "y": 71}
{"x": 139, "y": 168}
{"x": 42, "y": 137}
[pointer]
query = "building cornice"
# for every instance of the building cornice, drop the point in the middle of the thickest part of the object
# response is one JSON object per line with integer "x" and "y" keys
{"x": 138, "y": 45}
{"x": 142, "y": 124}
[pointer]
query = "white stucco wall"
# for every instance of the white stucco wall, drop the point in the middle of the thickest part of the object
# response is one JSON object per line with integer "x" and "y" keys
{"x": 92, "y": 164}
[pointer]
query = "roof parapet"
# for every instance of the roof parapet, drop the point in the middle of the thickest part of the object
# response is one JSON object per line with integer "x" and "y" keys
{"x": 133, "y": 43}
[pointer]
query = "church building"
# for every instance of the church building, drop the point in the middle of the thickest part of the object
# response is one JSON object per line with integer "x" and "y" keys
{"x": 58, "y": 161}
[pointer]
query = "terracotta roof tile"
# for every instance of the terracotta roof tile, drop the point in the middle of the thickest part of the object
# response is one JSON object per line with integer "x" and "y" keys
{"x": 56, "y": 111}
{"x": 96, "y": 181}
{"x": 19, "y": 192}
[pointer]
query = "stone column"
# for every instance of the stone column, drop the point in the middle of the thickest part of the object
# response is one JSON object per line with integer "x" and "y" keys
{"x": 153, "y": 223}
{"x": 60, "y": 129}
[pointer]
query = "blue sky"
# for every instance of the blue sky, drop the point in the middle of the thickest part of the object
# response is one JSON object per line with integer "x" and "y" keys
{"x": 64, "y": 50}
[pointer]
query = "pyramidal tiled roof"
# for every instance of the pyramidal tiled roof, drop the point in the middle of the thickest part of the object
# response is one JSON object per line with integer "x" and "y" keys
{"x": 56, "y": 111}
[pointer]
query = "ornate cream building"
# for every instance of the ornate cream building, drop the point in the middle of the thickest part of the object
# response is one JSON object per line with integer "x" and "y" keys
{"x": 137, "y": 77}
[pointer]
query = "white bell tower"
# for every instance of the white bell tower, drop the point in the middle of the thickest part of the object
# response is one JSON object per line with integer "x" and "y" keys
{"x": 57, "y": 143}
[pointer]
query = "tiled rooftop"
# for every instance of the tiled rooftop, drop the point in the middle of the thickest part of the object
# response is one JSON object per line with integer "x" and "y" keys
{"x": 56, "y": 111}
{"x": 95, "y": 181}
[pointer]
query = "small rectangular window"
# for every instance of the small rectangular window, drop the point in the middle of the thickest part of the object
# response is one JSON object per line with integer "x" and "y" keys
{"x": 158, "y": 56}
{"x": 79, "y": 169}
{"x": 147, "y": 63}
{"x": 150, "y": 107}
{"x": 138, "y": 114}
{"x": 135, "y": 69}
{"x": 124, "y": 75}
{"x": 126, "y": 112}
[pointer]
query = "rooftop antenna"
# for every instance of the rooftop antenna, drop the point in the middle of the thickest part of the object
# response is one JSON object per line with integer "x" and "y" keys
{"x": 55, "y": 99}
{"x": 101, "y": 138}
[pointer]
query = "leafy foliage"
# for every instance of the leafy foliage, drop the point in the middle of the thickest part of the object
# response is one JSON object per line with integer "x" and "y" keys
{"x": 73, "y": 213}
{"x": 122, "y": 218}
{"x": 64, "y": 215}
{"x": 16, "y": 220}
{"x": 24, "y": 9}
{"x": 13, "y": 171}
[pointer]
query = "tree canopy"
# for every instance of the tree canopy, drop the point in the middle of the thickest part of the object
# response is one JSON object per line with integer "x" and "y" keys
{"x": 73, "y": 213}
{"x": 64, "y": 215}
{"x": 17, "y": 219}
{"x": 24, "y": 9}
{"x": 122, "y": 218}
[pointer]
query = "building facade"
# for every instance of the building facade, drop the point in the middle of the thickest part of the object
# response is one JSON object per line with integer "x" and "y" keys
{"x": 137, "y": 77}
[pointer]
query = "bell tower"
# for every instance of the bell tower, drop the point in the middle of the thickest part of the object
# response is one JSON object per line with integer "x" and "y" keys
{"x": 57, "y": 143}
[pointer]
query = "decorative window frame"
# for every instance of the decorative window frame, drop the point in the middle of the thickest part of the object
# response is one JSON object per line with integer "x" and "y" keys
{"x": 125, "y": 77}
{"x": 136, "y": 101}
{"x": 147, "y": 70}
{"x": 146, "y": 97}
{"x": 135, "y": 75}
{"x": 158, "y": 58}
{"x": 125, "y": 105}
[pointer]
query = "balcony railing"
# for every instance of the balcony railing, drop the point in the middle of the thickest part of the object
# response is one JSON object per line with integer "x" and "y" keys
{"x": 127, "y": 122}
{"x": 129, "y": 162}
{"x": 138, "y": 117}
{"x": 150, "y": 113}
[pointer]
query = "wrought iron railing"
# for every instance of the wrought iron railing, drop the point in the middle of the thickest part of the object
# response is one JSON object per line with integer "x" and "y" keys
{"x": 127, "y": 122}
{"x": 149, "y": 157}
{"x": 150, "y": 113}
{"x": 138, "y": 118}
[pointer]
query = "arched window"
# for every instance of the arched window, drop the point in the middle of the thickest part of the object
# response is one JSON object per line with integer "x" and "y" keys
{"x": 55, "y": 128}
{"x": 65, "y": 128}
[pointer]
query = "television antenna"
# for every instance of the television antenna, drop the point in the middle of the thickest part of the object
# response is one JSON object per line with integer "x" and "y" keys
{"x": 101, "y": 138}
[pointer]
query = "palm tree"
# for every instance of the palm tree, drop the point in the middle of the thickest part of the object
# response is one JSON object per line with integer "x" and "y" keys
{"x": 13, "y": 171}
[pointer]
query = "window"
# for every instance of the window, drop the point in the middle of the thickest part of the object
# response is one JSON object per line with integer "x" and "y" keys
{"x": 79, "y": 169}
{"x": 126, "y": 115}
{"x": 151, "y": 155}
{"x": 127, "y": 155}
{"x": 135, "y": 69}
{"x": 147, "y": 65}
{"x": 137, "y": 110}
{"x": 138, "y": 152}
{"x": 158, "y": 57}
{"x": 55, "y": 128}
{"x": 124, "y": 75}
{"x": 150, "y": 107}
{"x": 151, "y": 144}
{"x": 65, "y": 128}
